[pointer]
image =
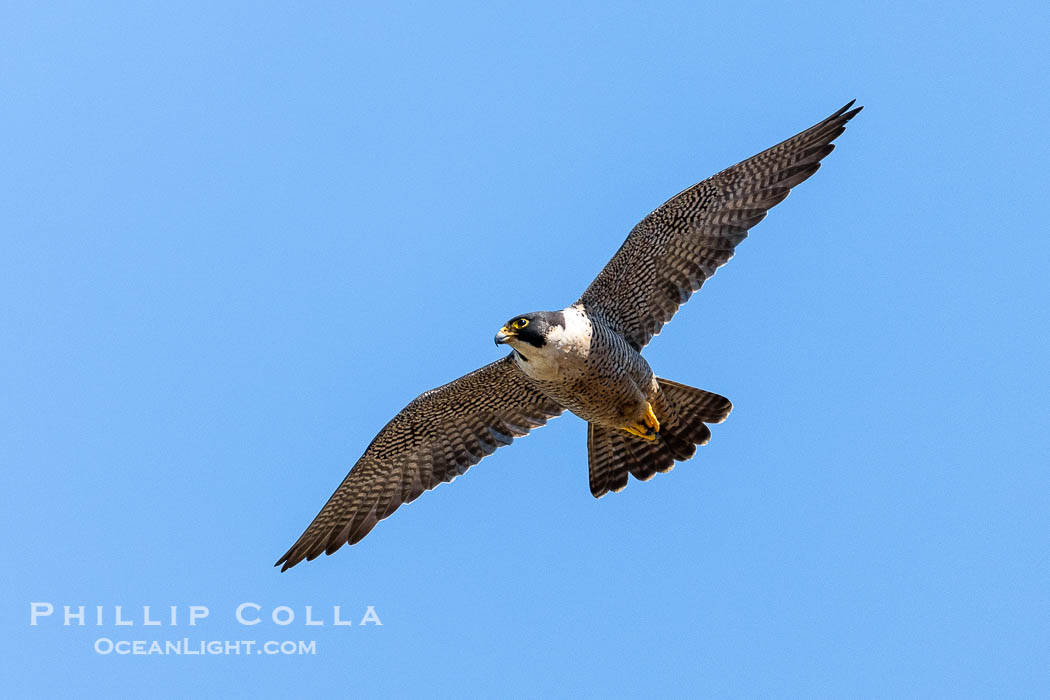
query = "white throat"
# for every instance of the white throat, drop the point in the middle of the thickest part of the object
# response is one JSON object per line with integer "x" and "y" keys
{"x": 565, "y": 354}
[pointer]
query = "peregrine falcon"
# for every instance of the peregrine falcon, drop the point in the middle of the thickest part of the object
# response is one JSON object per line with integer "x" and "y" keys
{"x": 585, "y": 358}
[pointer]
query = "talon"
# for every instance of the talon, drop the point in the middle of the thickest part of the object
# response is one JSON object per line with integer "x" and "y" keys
{"x": 650, "y": 418}
{"x": 647, "y": 428}
{"x": 646, "y": 434}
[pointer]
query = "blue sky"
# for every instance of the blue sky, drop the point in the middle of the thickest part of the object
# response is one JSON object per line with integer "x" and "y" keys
{"x": 238, "y": 239}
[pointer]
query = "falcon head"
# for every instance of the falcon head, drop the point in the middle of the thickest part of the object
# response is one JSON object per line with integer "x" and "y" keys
{"x": 530, "y": 329}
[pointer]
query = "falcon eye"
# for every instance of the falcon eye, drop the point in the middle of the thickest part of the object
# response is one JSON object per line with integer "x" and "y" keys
{"x": 520, "y": 323}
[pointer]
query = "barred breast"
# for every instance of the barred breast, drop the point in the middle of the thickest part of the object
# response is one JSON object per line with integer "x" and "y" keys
{"x": 592, "y": 370}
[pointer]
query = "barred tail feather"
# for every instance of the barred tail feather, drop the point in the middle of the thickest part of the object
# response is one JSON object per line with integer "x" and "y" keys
{"x": 683, "y": 412}
{"x": 690, "y": 402}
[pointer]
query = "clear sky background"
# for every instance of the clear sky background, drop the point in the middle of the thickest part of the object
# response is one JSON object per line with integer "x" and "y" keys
{"x": 237, "y": 240}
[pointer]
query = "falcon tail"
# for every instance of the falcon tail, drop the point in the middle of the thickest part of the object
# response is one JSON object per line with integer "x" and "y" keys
{"x": 683, "y": 413}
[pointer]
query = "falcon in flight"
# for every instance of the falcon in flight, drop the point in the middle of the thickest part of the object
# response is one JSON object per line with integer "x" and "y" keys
{"x": 585, "y": 358}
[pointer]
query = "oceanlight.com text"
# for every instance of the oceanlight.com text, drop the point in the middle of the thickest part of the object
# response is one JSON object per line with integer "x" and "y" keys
{"x": 214, "y": 647}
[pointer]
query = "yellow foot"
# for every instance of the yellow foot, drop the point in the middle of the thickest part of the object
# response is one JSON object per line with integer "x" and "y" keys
{"x": 648, "y": 427}
{"x": 650, "y": 418}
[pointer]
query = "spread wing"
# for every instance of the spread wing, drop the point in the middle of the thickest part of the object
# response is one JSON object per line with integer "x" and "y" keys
{"x": 675, "y": 249}
{"x": 437, "y": 437}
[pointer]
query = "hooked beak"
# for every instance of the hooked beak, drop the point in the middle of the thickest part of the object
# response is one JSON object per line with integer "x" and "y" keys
{"x": 504, "y": 335}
